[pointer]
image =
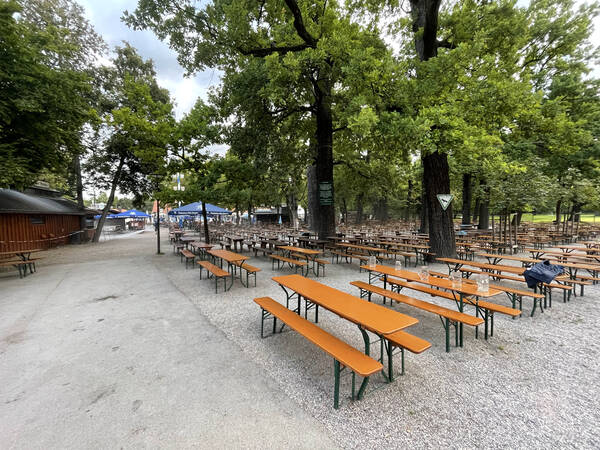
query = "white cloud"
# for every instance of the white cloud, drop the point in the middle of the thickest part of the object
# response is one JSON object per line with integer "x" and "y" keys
{"x": 105, "y": 16}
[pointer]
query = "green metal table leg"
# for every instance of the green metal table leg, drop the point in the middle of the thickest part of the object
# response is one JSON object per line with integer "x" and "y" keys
{"x": 336, "y": 386}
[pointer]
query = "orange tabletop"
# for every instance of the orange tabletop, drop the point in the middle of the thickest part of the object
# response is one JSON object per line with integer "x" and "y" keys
{"x": 305, "y": 251}
{"x": 21, "y": 253}
{"x": 497, "y": 257}
{"x": 361, "y": 247}
{"x": 443, "y": 283}
{"x": 371, "y": 316}
{"x": 496, "y": 267}
{"x": 201, "y": 245}
{"x": 228, "y": 256}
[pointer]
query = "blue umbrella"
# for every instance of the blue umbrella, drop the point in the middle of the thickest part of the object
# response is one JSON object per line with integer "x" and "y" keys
{"x": 196, "y": 209}
{"x": 132, "y": 214}
{"x": 108, "y": 216}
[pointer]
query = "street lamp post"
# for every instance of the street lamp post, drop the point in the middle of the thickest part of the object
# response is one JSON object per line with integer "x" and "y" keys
{"x": 157, "y": 180}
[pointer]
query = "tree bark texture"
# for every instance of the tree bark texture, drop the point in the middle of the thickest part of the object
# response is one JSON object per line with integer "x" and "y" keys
{"x": 109, "y": 202}
{"x": 441, "y": 228}
{"x": 359, "y": 208}
{"x": 205, "y": 219}
{"x": 313, "y": 197}
{"x": 409, "y": 194}
{"x": 324, "y": 160}
{"x": 423, "y": 215}
{"x": 484, "y": 212}
{"x": 466, "y": 199}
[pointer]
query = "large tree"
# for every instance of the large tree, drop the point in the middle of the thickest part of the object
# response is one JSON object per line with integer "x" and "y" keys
{"x": 137, "y": 126}
{"x": 47, "y": 49}
{"x": 304, "y": 48}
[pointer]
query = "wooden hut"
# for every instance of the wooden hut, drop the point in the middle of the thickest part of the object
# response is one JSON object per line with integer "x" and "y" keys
{"x": 32, "y": 221}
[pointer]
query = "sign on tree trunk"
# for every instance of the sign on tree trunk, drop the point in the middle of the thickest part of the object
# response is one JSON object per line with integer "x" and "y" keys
{"x": 326, "y": 193}
{"x": 445, "y": 200}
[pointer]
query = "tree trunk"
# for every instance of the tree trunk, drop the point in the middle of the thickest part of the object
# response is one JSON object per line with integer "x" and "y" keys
{"x": 558, "y": 207}
{"x": 424, "y": 217}
{"x": 359, "y": 208}
{"x": 466, "y": 199}
{"x": 111, "y": 197}
{"x": 381, "y": 209}
{"x": 345, "y": 211}
{"x": 424, "y": 15}
{"x": 205, "y": 218}
{"x": 484, "y": 212}
{"x": 408, "y": 201}
{"x": 292, "y": 204}
{"x": 78, "y": 181}
{"x": 475, "y": 218}
{"x": 441, "y": 228}
{"x": 313, "y": 197}
{"x": 324, "y": 160}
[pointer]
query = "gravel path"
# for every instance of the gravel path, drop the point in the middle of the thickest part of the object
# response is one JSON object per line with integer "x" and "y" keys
{"x": 534, "y": 384}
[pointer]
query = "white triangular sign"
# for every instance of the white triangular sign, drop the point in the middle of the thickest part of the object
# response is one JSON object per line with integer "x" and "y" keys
{"x": 445, "y": 200}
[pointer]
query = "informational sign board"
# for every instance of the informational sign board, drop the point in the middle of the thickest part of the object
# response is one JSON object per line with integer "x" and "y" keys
{"x": 326, "y": 193}
{"x": 445, "y": 200}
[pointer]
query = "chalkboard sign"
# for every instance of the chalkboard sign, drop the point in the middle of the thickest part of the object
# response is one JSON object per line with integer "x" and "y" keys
{"x": 326, "y": 193}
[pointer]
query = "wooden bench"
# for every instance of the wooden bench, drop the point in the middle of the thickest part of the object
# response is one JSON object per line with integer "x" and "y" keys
{"x": 216, "y": 272}
{"x": 291, "y": 262}
{"x": 547, "y": 290}
{"x": 264, "y": 250}
{"x": 319, "y": 262}
{"x": 451, "y": 317}
{"x": 515, "y": 295}
{"x": 21, "y": 265}
{"x": 489, "y": 308}
{"x": 337, "y": 254}
{"x": 225, "y": 245}
{"x": 594, "y": 280}
{"x": 343, "y": 354}
{"x": 177, "y": 247}
{"x": 250, "y": 270}
{"x": 406, "y": 256}
{"x": 188, "y": 255}
{"x": 580, "y": 283}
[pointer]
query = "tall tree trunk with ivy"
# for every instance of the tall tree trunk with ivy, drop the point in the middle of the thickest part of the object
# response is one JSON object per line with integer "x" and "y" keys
{"x": 436, "y": 172}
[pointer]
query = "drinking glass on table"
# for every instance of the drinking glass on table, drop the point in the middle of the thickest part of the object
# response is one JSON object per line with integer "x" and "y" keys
{"x": 483, "y": 283}
{"x": 398, "y": 266}
{"x": 456, "y": 279}
{"x": 372, "y": 262}
{"x": 423, "y": 273}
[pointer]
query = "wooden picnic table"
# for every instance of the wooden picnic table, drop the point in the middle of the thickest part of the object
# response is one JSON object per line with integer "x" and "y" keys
{"x": 367, "y": 316}
{"x": 186, "y": 240}
{"x": 201, "y": 246}
{"x": 309, "y": 254}
{"x": 230, "y": 258}
{"x": 234, "y": 240}
{"x": 465, "y": 289}
{"x": 494, "y": 258}
{"x": 458, "y": 263}
{"x": 23, "y": 255}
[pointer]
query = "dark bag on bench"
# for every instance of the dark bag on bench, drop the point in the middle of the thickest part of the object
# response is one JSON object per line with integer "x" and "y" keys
{"x": 543, "y": 272}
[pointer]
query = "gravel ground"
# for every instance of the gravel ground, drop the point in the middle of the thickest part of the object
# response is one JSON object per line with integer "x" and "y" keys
{"x": 534, "y": 384}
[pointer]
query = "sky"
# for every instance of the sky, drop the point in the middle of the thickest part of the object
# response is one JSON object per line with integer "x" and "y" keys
{"x": 105, "y": 16}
